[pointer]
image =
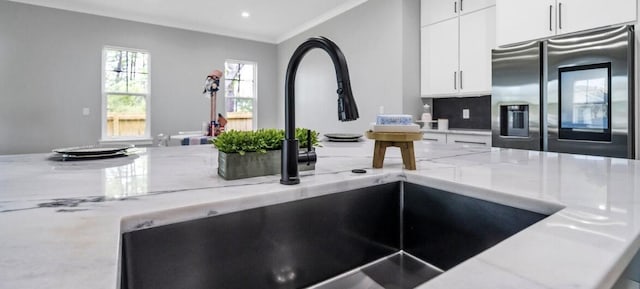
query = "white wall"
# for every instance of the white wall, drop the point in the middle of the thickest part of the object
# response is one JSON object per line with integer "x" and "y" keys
{"x": 50, "y": 62}
{"x": 375, "y": 39}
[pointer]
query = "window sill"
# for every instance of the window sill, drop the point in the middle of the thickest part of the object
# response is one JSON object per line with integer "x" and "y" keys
{"x": 133, "y": 141}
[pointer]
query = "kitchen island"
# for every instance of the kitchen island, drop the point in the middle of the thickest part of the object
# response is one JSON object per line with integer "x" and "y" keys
{"x": 62, "y": 221}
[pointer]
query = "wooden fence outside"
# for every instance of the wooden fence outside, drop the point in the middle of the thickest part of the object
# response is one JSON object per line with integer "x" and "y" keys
{"x": 239, "y": 121}
{"x": 126, "y": 125}
{"x": 134, "y": 125}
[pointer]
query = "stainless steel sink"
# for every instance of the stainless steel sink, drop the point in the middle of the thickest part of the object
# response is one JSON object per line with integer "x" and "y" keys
{"x": 396, "y": 235}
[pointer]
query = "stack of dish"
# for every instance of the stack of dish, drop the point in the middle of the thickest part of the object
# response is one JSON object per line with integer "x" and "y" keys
{"x": 343, "y": 137}
{"x": 93, "y": 152}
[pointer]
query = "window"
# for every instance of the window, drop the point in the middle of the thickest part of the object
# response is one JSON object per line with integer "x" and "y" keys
{"x": 240, "y": 92}
{"x": 125, "y": 94}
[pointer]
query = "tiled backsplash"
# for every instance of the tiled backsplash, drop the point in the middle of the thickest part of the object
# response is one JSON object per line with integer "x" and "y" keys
{"x": 452, "y": 108}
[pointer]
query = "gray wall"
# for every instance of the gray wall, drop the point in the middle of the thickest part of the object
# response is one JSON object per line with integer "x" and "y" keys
{"x": 637, "y": 87}
{"x": 380, "y": 40}
{"x": 411, "y": 101}
{"x": 50, "y": 62}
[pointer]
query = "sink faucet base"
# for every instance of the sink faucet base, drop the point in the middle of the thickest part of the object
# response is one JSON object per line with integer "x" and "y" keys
{"x": 290, "y": 162}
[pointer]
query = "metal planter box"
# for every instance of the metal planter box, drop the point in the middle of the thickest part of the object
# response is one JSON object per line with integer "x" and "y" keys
{"x": 234, "y": 166}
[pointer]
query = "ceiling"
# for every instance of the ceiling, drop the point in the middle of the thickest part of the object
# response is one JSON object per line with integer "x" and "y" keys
{"x": 270, "y": 21}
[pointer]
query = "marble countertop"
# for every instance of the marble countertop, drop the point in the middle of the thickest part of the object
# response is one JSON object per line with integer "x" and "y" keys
{"x": 61, "y": 221}
{"x": 459, "y": 131}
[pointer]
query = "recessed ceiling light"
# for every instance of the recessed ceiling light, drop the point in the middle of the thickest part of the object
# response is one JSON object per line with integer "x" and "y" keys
{"x": 245, "y": 14}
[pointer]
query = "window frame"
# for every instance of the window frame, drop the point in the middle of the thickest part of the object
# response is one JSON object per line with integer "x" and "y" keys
{"x": 254, "y": 112}
{"x": 104, "y": 138}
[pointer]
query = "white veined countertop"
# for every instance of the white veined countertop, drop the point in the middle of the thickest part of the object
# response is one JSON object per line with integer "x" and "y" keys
{"x": 61, "y": 221}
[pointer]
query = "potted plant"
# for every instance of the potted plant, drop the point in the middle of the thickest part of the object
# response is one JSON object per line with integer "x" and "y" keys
{"x": 246, "y": 154}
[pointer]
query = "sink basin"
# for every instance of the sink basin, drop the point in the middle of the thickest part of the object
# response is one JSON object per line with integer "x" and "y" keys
{"x": 395, "y": 235}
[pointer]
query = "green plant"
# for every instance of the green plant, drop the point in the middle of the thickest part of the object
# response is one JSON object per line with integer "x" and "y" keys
{"x": 261, "y": 141}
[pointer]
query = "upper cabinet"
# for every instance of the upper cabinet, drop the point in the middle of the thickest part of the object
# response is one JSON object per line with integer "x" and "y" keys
{"x": 523, "y": 20}
{"x": 433, "y": 11}
{"x": 456, "y": 51}
{"x": 577, "y": 15}
{"x": 439, "y": 58}
{"x": 477, "y": 38}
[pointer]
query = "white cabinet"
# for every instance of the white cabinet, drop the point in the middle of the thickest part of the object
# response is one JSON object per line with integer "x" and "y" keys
{"x": 469, "y": 139}
{"x": 523, "y": 20}
{"x": 435, "y": 137}
{"x": 456, "y": 55}
{"x": 439, "y": 61}
{"x": 433, "y": 11}
{"x": 577, "y": 15}
{"x": 468, "y": 6}
{"x": 458, "y": 137}
{"x": 477, "y": 38}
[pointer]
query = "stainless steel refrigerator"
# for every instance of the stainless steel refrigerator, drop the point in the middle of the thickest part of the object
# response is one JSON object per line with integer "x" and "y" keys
{"x": 571, "y": 94}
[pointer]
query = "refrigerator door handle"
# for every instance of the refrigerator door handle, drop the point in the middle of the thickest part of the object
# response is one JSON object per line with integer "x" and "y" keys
{"x": 455, "y": 6}
{"x": 460, "y": 79}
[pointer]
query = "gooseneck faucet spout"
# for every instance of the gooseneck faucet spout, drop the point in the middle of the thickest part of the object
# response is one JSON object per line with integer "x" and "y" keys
{"x": 347, "y": 109}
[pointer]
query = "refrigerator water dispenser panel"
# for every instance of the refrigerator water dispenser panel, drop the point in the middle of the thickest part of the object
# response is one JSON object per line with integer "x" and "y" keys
{"x": 514, "y": 120}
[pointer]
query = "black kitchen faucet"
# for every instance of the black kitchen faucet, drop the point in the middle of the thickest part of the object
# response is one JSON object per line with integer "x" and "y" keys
{"x": 347, "y": 109}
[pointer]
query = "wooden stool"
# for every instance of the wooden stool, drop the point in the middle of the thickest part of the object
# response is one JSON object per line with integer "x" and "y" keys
{"x": 403, "y": 140}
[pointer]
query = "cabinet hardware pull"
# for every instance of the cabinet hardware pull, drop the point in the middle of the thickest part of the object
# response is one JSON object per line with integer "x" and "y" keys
{"x": 461, "y": 79}
{"x": 461, "y": 6}
{"x": 455, "y": 79}
{"x": 470, "y": 142}
{"x": 560, "y": 15}
{"x": 455, "y": 6}
{"x": 550, "y": 12}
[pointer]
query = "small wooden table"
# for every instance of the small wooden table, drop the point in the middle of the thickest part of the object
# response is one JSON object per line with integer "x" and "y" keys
{"x": 402, "y": 140}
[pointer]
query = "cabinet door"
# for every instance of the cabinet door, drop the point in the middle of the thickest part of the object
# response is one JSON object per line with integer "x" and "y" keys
{"x": 439, "y": 58}
{"x": 477, "y": 38}
{"x": 468, "y": 6}
{"x": 432, "y": 11}
{"x": 522, "y": 20}
{"x": 469, "y": 140}
{"x": 577, "y": 15}
{"x": 435, "y": 137}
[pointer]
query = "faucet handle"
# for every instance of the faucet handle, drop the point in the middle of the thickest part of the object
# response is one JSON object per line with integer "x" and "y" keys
{"x": 309, "y": 144}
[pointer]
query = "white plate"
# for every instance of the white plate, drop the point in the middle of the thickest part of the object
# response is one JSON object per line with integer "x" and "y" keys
{"x": 94, "y": 150}
{"x": 343, "y": 135}
{"x": 343, "y": 139}
{"x": 65, "y": 157}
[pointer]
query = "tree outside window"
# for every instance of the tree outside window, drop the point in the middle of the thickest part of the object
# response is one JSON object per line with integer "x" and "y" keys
{"x": 240, "y": 94}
